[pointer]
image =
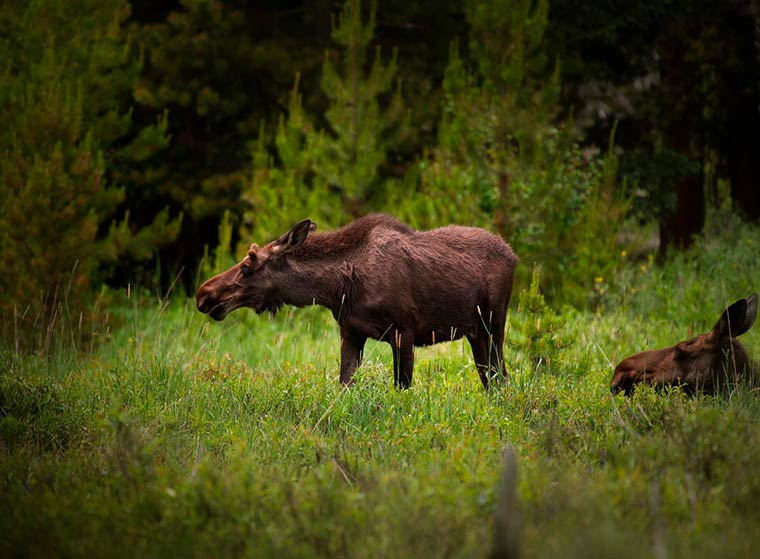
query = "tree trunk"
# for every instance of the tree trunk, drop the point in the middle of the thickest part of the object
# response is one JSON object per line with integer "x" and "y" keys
{"x": 677, "y": 229}
{"x": 680, "y": 128}
{"x": 743, "y": 141}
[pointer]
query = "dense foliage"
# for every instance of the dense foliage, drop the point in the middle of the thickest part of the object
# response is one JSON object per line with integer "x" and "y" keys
{"x": 68, "y": 147}
{"x": 132, "y": 128}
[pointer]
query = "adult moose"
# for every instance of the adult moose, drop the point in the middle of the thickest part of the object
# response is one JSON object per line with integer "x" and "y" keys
{"x": 703, "y": 364}
{"x": 381, "y": 280}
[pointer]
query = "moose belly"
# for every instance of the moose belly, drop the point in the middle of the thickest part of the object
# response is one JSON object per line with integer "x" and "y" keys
{"x": 434, "y": 336}
{"x": 444, "y": 323}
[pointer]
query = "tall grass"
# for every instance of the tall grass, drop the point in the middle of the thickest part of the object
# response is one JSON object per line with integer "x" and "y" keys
{"x": 177, "y": 436}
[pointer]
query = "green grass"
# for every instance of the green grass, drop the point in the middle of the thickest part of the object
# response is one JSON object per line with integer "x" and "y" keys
{"x": 180, "y": 437}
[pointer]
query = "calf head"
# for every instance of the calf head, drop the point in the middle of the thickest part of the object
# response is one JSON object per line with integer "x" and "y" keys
{"x": 700, "y": 364}
{"x": 257, "y": 281}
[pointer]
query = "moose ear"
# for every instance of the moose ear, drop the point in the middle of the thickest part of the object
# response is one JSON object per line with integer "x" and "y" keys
{"x": 294, "y": 238}
{"x": 737, "y": 318}
{"x": 751, "y": 313}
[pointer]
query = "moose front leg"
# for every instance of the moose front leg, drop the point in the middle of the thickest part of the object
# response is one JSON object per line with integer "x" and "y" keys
{"x": 403, "y": 358}
{"x": 351, "y": 352}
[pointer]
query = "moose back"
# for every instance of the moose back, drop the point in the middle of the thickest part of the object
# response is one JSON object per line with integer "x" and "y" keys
{"x": 385, "y": 281}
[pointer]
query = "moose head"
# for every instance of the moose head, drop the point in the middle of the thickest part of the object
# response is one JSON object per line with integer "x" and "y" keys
{"x": 256, "y": 281}
{"x": 702, "y": 364}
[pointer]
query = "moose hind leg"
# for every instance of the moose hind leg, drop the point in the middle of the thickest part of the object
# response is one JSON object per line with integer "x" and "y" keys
{"x": 487, "y": 351}
{"x": 480, "y": 355}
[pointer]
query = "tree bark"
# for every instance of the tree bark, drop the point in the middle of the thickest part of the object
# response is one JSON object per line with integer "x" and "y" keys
{"x": 681, "y": 112}
{"x": 743, "y": 140}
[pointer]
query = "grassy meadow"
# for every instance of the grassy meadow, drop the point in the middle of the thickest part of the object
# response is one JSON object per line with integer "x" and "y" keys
{"x": 173, "y": 436}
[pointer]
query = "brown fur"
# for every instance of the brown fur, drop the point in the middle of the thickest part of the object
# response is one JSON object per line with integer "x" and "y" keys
{"x": 385, "y": 281}
{"x": 703, "y": 364}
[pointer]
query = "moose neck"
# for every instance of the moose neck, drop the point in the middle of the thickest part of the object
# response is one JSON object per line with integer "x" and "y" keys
{"x": 321, "y": 268}
{"x": 313, "y": 284}
{"x": 314, "y": 281}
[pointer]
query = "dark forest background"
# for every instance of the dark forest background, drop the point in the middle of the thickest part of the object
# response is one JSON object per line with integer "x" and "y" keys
{"x": 139, "y": 137}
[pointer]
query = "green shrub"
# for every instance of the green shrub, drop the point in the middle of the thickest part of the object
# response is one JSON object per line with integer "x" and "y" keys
{"x": 536, "y": 330}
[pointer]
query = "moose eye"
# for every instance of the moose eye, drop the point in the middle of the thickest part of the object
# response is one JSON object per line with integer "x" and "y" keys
{"x": 246, "y": 270}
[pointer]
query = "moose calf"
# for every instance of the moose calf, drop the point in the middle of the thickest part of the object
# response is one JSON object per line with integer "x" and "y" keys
{"x": 703, "y": 364}
{"x": 385, "y": 281}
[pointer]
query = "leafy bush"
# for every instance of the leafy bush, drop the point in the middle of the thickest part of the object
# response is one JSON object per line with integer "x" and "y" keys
{"x": 565, "y": 215}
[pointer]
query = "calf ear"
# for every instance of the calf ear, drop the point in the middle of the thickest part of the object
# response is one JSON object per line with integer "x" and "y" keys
{"x": 737, "y": 318}
{"x": 751, "y": 313}
{"x": 295, "y": 237}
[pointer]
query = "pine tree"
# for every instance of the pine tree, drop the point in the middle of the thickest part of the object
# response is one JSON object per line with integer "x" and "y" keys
{"x": 65, "y": 83}
{"x": 499, "y": 106}
{"x": 219, "y": 68}
{"x": 361, "y": 130}
{"x": 499, "y": 98}
{"x": 328, "y": 175}
{"x": 197, "y": 66}
{"x": 284, "y": 188}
